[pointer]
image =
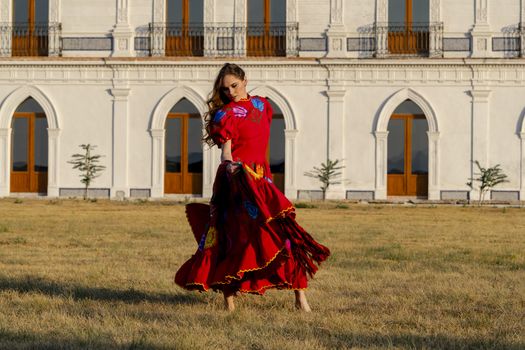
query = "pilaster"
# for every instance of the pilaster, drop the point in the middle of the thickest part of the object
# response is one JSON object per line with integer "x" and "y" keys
{"x": 290, "y": 187}
{"x": 53, "y": 157}
{"x": 522, "y": 166}
{"x": 481, "y": 33}
{"x": 120, "y": 186}
{"x": 480, "y": 130}
{"x": 336, "y": 129}
{"x": 5, "y": 135}
{"x": 157, "y": 164}
{"x": 381, "y": 164}
{"x": 122, "y": 33}
{"x": 434, "y": 192}
{"x": 336, "y": 33}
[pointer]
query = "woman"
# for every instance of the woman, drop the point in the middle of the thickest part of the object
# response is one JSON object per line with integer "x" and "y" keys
{"x": 248, "y": 238}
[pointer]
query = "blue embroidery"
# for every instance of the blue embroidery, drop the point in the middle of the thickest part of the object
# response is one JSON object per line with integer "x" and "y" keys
{"x": 253, "y": 211}
{"x": 202, "y": 241}
{"x": 257, "y": 103}
{"x": 219, "y": 115}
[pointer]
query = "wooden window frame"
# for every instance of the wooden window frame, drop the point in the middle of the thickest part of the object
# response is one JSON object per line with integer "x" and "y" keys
{"x": 32, "y": 44}
{"x": 266, "y": 44}
{"x": 187, "y": 43}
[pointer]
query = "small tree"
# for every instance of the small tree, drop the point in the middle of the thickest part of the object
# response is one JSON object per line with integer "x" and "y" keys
{"x": 327, "y": 174}
{"x": 488, "y": 178}
{"x": 86, "y": 163}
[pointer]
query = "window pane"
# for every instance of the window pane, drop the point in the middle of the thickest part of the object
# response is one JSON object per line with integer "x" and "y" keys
{"x": 184, "y": 106}
{"x": 40, "y": 144}
{"x": 278, "y": 11}
{"x": 419, "y": 146}
{"x": 396, "y": 146}
{"x": 420, "y": 12}
{"x": 277, "y": 144}
{"x": 396, "y": 12}
{"x": 30, "y": 105}
{"x": 42, "y": 11}
{"x": 196, "y": 11}
{"x": 174, "y": 11}
{"x": 20, "y": 11}
{"x": 20, "y": 144}
{"x": 255, "y": 11}
{"x": 195, "y": 145}
{"x": 173, "y": 145}
{"x": 408, "y": 107}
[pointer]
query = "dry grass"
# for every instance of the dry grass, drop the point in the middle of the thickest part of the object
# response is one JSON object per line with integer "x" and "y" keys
{"x": 99, "y": 275}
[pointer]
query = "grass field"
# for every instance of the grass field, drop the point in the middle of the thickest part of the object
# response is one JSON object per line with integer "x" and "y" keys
{"x": 79, "y": 274}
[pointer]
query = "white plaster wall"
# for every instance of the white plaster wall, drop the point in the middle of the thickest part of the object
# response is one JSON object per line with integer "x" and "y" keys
{"x": 88, "y": 18}
{"x": 358, "y": 14}
{"x": 140, "y": 13}
{"x": 314, "y": 17}
{"x": 507, "y": 106}
{"x": 457, "y": 16}
{"x": 503, "y": 14}
{"x": 224, "y": 11}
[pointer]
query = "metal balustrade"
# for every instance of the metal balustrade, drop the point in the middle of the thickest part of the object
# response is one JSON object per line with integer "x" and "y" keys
{"x": 405, "y": 39}
{"x": 30, "y": 39}
{"x": 224, "y": 39}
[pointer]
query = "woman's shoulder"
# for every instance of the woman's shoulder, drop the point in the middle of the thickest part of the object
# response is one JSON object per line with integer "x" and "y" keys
{"x": 259, "y": 102}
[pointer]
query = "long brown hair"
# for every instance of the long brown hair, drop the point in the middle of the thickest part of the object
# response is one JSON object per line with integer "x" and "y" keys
{"x": 218, "y": 97}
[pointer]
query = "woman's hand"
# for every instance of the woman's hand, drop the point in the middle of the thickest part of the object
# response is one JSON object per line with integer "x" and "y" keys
{"x": 226, "y": 156}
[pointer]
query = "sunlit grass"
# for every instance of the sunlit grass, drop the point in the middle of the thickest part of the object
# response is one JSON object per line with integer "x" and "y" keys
{"x": 77, "y": 274}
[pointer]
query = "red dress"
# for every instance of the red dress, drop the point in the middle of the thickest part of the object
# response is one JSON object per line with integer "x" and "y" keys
{"x": 248, "y": 238}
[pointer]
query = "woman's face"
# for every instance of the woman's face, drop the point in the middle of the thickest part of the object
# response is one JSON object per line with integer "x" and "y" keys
{"x": 234, "y": 88}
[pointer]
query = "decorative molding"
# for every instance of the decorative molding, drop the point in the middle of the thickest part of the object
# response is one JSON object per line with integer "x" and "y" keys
{"x": 313, "y": 44}
{"x": 87, "y": 44}
{"x": 481, "y": 14}
{"x": 457, "y": 44}
{"x": 336, "y": 12}
{"x": 381, "y": 135}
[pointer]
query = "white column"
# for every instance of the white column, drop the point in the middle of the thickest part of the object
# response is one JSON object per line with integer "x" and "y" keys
{"x": 157, "y": 163}
{"x": 122, "y": 33}
{"x": 522, "y": 166}
{"x": 522, "y": 32}
{"x": 158, "y": 30}
{"x": 208, "y": 171}
{"x": 481, "y": 33}
{"x": 336, "y": 136}
{"x": 290, "y": 187}
{"x": 381, "y": 28}
{"x": 436, "y": 30}
{"x": 210, "y": 34}
{"x": 5, "y": 162}
{"x": 292, "y": 39}
{"x": 381, "y": 164}
{"x": 6, "y": 30}
{"x": 120, "y": 186}
{"x": 53, "y": 163}
{"x": 54, "y": 29}
{"x": 434, "y": 190}
{"x": 336, "y": 30}
{"x": 240, "y": 23}
{"x": 480, "y": 130}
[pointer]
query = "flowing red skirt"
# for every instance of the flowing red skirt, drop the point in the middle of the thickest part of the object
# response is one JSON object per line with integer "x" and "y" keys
{"x": 248, "y": 238}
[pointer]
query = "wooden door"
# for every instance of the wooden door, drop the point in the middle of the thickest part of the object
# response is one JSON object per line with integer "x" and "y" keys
{"x": 29, "y": 153}
{"x": 30, "y": 29}
{"x": 184, "y": 28}
{"x": 183, "y": 154}
{"x": 407, "y": 156}
{"x": 266, "y": 34}
{"x": 408, "y": 31}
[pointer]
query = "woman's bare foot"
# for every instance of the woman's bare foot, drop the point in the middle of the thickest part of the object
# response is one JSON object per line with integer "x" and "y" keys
{"x": 228, "y": 301}
{"x": 300, "y": 301}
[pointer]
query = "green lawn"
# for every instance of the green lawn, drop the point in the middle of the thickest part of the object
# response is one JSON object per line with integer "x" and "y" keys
{"x": 79, "y": 274}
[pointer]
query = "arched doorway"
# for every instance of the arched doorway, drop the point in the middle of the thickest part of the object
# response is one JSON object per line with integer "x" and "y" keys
{"x": 276, "y": 147}
{"x": 29, "y": 148}
{"x": 407, "y": 160}
{"x": 183, "y": 149}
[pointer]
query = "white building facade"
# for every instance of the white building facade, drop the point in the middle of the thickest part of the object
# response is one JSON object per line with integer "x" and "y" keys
{"x": 408, "y": 94}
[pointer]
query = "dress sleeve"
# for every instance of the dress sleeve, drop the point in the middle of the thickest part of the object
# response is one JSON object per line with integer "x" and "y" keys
{"x": 268, "y": 108}
{"x": 223, "y": 127}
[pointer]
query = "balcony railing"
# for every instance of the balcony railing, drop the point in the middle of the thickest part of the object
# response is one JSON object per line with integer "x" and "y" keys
{"x": 30, "y": 39}
{"x": 410, "y": 40}
{"x": 224, "y": 39}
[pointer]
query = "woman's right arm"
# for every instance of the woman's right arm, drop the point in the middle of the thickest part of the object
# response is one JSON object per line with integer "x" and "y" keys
{"x": 226, "y": 151}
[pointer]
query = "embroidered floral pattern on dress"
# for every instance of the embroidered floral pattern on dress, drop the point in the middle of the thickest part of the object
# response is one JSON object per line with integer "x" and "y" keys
{"x": 219, "y": 115}
{"x": 240, "y": 112}
{"x": 257, "y": 103}
{"x": 209, "y": 239}
{"x": 252, "y": 210}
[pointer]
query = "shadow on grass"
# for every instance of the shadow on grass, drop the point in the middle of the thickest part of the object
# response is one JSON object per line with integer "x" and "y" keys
{"x": 32, "y": 284}
{"x": 410, "y": 341}
{"x": 27, "y": 340}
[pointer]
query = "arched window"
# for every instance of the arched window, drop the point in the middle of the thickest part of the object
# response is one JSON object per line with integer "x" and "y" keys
{"x": 408, "y": 26}
{"x": 29, "y": 148}
{"x": 184, "y": 27}
{"x": 407, "y": 151}
{"x": 30, "y": 27}
{"x": 266, "y": 28}
{"x": 183, "y": 149}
